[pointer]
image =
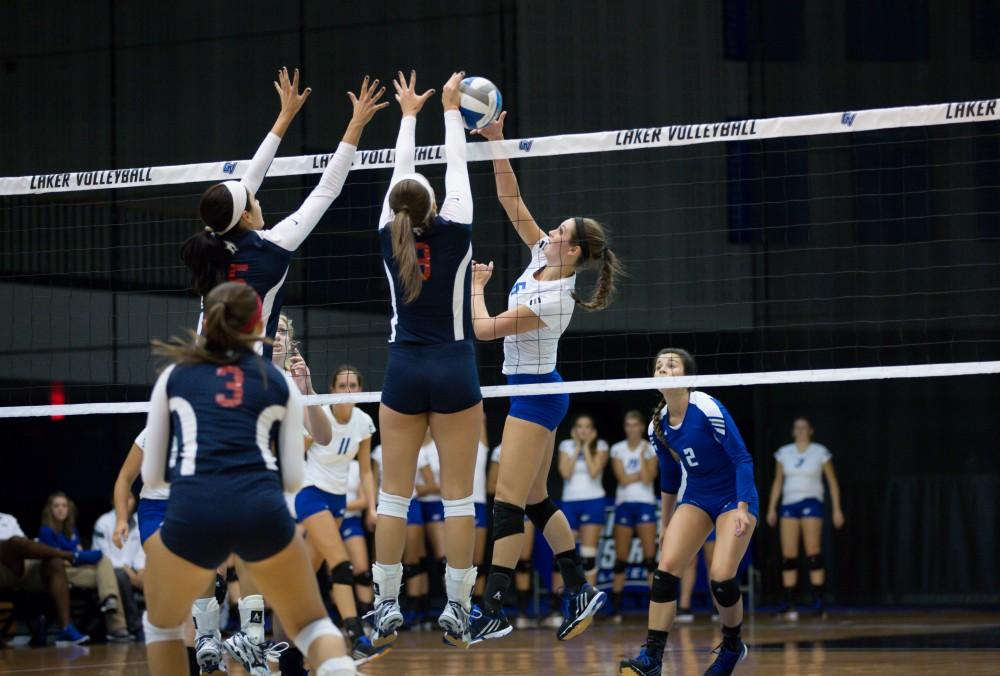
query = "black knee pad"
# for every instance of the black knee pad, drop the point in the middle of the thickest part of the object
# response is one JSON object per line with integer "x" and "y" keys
{"x": 589, "y": 563}
{"x": 363, "y": 579}
{"x": 650, "y": 564}
{"x": 231, "y": 574}
{"x": 412, "y": 570}
{"x": 727, "y": 592}
{"x": 815, "y": 562}
{"x": 508, "y": 520}
{"x": 342, "y": 573}
{"x": 221, "y": 587}
{"x": 524, "y": 566}
{"x": 541, "y": 512}
{"x": 790, "y": 564}
{"x": 620, "y": 566}
{"x": 664, "y": 589}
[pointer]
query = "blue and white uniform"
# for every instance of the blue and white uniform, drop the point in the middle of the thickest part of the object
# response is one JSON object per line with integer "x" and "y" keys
{"x": 583, "y": 497}
{"x": 327, "y": 466}
{"x": 211, "y": 434}
{"x": 530, "y": 357}
{"x": 479, "y": 485}
{"x": 261, "y": 257}
{"x": 708, "y": 444}
{"x": 432, "y": 359}
{"x": 802, "y": 490}
{"x": 152, "y": 505}
{"x": 431, "y": 507}
{"x": 635, "y": 503}
{"x": 351, "y": 526}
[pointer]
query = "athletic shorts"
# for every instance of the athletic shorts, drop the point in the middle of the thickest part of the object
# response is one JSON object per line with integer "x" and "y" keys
{"x": 149, "y": 514}
{"x": 634, "y": 513}
{"x": 440, "y": 378}
{"x": 414, "y": 517}
{"x": 206, "y": 521}
{"x": 351, "y": 527}
{"x": 584, "y": 512}
{"x": 481, "y": 519}
{"x": 547, "y": 410}
{"x": 311, "y": 500}
{"x": 432, "y": 511}
{"x": 715, "y": 504}
{"x": 810, "y": 508}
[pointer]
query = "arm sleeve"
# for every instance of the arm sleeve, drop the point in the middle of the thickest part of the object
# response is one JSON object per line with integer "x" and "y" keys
{"x": 733, "y": 444}
{"x": 154, "y": 453}
{"x": 290, "y": 442}
{"x": 292, "y": 231}
{"x": 457, "y": 205}
{"x": 406, "y": 146}
{"x": 261, "y": 162}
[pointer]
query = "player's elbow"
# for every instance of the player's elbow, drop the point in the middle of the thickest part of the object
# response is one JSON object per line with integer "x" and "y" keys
{"x": 484, "y": 329}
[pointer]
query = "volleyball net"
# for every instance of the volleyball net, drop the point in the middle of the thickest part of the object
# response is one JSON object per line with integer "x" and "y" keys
{"x": 822, "y": 248}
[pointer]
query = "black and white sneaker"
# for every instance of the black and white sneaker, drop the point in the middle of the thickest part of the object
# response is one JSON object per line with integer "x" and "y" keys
{"x": 484, "y": 625}
{"x": 386, "y": 619}
{"x": 579, "y": 610}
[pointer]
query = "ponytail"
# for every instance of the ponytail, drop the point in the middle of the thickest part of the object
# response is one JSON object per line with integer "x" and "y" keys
{"x": 206, "y": 256}
{"x": 590, "y": 236}
{"x": 404, "y": 250}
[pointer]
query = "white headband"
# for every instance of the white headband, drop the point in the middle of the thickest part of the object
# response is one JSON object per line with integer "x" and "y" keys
{"x": 422, "y": 180}
{"x": 239, "y": 193}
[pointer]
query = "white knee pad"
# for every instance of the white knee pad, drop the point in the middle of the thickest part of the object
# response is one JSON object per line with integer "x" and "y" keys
{"x": 460, "y": 507}
{"x": 158, "y": 634}
{"x": 321, "y": 627}
{"x": 337, "y": 666}
{"x": 393, "y": 505}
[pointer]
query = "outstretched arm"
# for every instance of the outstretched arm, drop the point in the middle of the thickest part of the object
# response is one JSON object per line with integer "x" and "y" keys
{"x": 291, "y": 103}
{"x": 291, "y": 232}
{"x": 457, "y": 206}
{"x": 508, "y": 190}
{"x": 410, "y": 104}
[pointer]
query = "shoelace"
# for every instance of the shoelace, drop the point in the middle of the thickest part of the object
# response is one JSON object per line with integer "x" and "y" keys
{"x": 273, "y": 652}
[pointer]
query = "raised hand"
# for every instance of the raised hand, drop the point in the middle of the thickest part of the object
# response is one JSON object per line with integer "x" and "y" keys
{"x": 451, "y": 97}
{"x": 481, "y": 273}
{"x": 493, "y": 131}
{"x": 299, "y": 371}
{"x": 366, "y": 103}
{"x": 288, "y": 91}
{"x": 409, "y": 101}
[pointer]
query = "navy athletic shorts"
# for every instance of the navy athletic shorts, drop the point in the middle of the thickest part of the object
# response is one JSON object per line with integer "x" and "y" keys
{"x": 209, "y": 519}
{"x": 440, "y": 378}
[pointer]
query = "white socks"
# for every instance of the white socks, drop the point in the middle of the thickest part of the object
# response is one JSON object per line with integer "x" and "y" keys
{"x": 459, "y": 583}
{"x": 252, "y": 617}
{"x": 387, "y": 580}
{"x": 205, "y": 613}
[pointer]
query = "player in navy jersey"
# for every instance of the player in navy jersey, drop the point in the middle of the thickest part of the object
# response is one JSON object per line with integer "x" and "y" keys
{"x": 539, "y": 309}
{"x": 430, "y": 376}
{"x": 696, "y": 430}
{"x": 234, "y": 244}
{"x": 225, "y": 431}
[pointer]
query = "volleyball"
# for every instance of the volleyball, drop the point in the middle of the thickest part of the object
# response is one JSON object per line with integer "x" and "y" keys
{"x": 481, "y": 102}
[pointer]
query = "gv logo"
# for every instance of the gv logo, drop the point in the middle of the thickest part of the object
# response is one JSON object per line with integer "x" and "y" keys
{"x": 229, "y": 168}
{"x": 525, "y": 146}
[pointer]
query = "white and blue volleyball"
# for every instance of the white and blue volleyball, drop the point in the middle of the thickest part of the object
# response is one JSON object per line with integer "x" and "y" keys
{"x": 481, "y": 102}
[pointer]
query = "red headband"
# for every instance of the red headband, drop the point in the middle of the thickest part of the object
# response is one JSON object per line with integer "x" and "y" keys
{"x": 252, "y": 322}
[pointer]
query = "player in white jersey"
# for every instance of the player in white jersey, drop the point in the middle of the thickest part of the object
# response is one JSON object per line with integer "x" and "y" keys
{"x": 634, "y": 463}
{"x": 582, "y": 459}
{"x": 322, "y": 501}
{"x": 539, "y": 309}
{"x": 798, "y": 481}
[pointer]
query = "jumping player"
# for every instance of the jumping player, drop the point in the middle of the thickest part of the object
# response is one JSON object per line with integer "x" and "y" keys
{"x": 431, "y": 377}
{"x": 695, "y": 429}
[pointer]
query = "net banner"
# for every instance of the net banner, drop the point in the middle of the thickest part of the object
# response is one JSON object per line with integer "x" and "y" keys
{"x": 565, "y": 144}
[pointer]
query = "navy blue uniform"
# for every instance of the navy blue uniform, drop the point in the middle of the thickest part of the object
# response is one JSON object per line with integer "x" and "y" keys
{"x": 432, "y": 358}
{"x": 234, "y": 434}
{"x": 261, "y": 257}
{"x": 719, "y": 468}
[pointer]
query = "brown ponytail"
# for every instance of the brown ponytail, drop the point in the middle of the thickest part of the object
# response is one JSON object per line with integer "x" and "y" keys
{"x": 411, "y": 204}
{"x": 590, "y": 236}
{"x": 232, "y": 311}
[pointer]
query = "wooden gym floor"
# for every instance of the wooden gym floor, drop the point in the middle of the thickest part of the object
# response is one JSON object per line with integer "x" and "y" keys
{"x": 911, "y": 643}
